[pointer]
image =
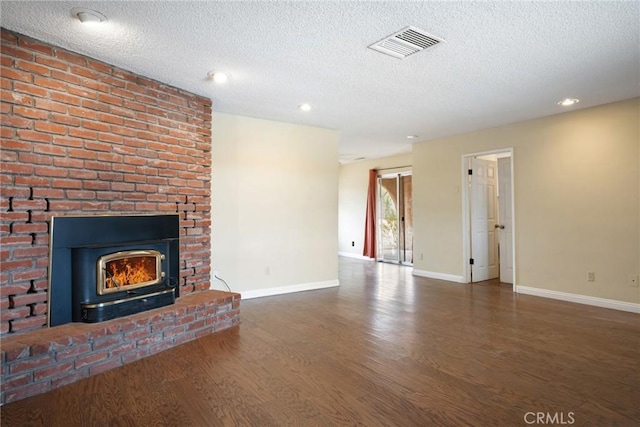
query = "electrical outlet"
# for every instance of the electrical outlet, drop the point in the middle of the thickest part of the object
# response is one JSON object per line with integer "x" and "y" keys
{"x": 421, "y": 256}
{"x": 353, "y": 243}
{"x": 267, "y": 271}
{"x": 591, "y": 276}
{"x": 633, "y": 280}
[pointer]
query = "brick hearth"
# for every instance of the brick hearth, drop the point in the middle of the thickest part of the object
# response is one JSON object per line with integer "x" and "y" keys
{"x": 46, "y": 359}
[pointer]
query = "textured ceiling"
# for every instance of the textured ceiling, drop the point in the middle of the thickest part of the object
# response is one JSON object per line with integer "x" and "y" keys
{"x": 502, "y": 62}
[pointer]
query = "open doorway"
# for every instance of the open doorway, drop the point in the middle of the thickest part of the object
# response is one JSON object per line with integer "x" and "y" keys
{"x": 395, "y": 218}
{"x": 488, "y": 232}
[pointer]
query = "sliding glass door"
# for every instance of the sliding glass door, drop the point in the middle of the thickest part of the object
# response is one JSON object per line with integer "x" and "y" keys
{"x": 389, "y": 224}
{"x": 395, "y": 219}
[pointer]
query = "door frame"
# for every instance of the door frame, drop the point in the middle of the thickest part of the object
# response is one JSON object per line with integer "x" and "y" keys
{"x": 466, "y": 212}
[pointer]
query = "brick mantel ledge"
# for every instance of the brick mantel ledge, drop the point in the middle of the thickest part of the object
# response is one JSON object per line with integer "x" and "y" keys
{"x": 45, "y": 359}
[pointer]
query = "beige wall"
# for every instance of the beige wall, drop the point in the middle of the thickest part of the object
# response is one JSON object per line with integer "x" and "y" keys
{"x": 577, "y": 199}
{"x": 274, "y": 203}
{"x": 353, "y": 184}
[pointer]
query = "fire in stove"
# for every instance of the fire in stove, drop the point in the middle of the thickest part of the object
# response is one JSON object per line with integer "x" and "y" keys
{"x": 124, "y": 271}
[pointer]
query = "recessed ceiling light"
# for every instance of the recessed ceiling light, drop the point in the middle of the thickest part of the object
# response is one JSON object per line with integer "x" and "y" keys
{"x": 569, "y": 101}
{"x": 218, "y": 77}
{"x": 412, "y": 136}
{"x": 88, "y": 16}
{"x": 304, "y": 107}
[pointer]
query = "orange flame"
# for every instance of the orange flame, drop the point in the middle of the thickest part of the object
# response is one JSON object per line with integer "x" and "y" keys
{"x": 127, "y": 272}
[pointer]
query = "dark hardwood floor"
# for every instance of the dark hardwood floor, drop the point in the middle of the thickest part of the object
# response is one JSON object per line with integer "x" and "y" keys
{"x": 383, "y": 349}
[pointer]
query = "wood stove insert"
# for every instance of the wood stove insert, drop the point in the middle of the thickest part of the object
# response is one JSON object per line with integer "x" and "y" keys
{"x": 105, "y": 267}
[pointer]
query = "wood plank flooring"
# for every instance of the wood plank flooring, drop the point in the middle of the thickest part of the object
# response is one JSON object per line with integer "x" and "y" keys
{"x": 383, "y": 349}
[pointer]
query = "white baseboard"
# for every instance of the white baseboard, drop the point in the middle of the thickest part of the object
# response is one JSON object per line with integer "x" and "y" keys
{"x": 580, "y": 299}
{"x": 439, "y": 276}
{"x": 356, "y": 256}
{"x": 257, "y": 293}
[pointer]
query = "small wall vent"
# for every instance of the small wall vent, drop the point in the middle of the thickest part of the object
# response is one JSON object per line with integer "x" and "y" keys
{"x": 406, "y": 42}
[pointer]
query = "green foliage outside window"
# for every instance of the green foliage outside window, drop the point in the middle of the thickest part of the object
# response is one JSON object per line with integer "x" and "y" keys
{"x": 389, "y": 226}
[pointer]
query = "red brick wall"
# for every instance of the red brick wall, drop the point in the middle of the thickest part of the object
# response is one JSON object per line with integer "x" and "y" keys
{"x": 81, "y": 137}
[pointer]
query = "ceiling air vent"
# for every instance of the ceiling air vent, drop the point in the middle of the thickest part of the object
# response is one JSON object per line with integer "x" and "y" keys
{"x": 406, "y": 42}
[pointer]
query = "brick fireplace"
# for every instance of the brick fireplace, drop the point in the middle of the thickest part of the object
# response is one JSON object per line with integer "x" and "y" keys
{"x": 84, "y": 138}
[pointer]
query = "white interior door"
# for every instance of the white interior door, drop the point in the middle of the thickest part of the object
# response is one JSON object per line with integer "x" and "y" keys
{"x": 484, "y": 243}
{"x": 505, "y": 230}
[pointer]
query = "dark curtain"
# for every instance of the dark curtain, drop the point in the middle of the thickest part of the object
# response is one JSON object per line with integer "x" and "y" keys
{"x": 370, "y": 220}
